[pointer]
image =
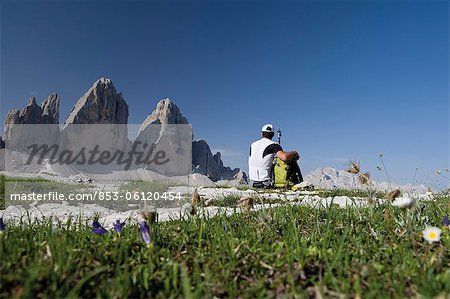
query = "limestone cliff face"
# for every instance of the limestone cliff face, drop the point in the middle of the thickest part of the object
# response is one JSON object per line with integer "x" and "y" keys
{"x": 101, "y": 104}
{"x": 99, "y": 118}
{"x": 47, "y": 113}
{"x": 32, "y": 113}
{"x": 12, "y": 118}
{"x": 203, "y": 160}
{"x": 50, "y": 109}
{"x": 166, "y": 112}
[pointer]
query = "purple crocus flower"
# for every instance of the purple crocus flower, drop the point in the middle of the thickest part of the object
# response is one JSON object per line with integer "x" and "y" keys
{"x": 445, "y": 221}
{"x": 97, "y": 228}
{"x": 145, "y": 232}
{"x": 118, "y": 226}
{"x": 2, "y": 225}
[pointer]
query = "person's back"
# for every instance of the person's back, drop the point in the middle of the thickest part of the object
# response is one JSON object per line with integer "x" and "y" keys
{"x": 262, "y": 153}
{"x": 260, "y": 160}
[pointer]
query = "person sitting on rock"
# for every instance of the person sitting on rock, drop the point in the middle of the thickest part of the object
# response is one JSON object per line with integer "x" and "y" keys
{"x": 262, "y": 154}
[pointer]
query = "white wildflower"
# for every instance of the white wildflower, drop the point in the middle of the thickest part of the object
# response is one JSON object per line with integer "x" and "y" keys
{"x": 403, "y": 202}
{"x": 432, "y": 234}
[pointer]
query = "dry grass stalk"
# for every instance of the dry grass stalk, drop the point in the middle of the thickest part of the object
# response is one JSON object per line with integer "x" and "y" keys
{"x": 393, "y": 194}
{"x": 353, "y": 167}
{"x": 364, "y": 179}
{"x": 196, "y": 199}
{"x": 246, "y": 203}
{"x": 388, "y": 217}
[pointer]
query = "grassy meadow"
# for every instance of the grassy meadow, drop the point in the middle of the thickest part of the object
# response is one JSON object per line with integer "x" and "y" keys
{"x": 288, "y": 251}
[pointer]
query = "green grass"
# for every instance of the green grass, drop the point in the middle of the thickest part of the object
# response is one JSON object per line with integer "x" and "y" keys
{"x": 368, "y": 252}
{"x": 350, "y": 193}
{"x": 232, "y": 200}
{"x": 225, "y": 201}
{"x": 224, "y": 187}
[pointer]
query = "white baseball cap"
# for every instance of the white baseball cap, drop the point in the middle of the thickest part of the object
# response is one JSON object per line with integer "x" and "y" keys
{"x": 267, "y": 128}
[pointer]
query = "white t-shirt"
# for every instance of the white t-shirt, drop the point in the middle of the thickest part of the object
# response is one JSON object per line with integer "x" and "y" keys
{"x": 260, "y": 160}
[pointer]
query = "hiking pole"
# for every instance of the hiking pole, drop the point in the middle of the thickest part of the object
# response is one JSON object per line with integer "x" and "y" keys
{"x": 279, "y": 136}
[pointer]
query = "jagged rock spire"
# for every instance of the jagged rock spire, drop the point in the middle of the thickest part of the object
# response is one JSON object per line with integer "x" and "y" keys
{"x": 101, "y": 104}
{"x": 50, "y": 109}
{"x": 166, "y": 112}
{"x": 46, "y": 113}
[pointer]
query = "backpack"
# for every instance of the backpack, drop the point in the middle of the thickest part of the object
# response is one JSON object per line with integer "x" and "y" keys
{"x": 286, "y": 175}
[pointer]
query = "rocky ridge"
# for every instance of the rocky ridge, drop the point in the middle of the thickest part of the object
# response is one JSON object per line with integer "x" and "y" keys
{"x": 46, "y": 113}
{"x": 330, "y": 178}
{"x": 203, "y": 160}
{"x": 102, "y": 104}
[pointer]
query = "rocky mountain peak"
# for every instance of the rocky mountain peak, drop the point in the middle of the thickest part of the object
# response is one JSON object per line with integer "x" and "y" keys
{"x": 13, "y": 117}
{"x": 101, "y": 104}
{"x": 331, "y": 178}
{"x": 32, "y": 113}
{"x": 103, "y": 81}
{"x": 32, "y": 102}
{"x": 203, "y": 161}
{"x": 50, "y": 109}
{"x": 166, "y": 112}
{"x": 46, "y": 113}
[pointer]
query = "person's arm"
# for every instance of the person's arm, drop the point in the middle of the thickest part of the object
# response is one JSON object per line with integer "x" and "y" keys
{"x": 288, "y": 156}
{"x": 276, "y": 149}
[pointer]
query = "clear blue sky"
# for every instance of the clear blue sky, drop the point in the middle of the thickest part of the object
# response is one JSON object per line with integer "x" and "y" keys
{"x": 342, "y": 79}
